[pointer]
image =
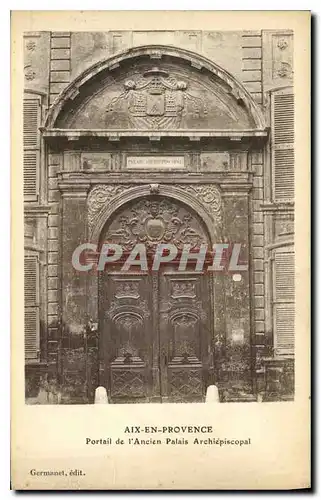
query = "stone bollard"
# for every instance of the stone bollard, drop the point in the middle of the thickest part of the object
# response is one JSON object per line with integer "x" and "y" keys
{"x": 212, "y": 395}
{"x": 101, "y": 397}
{"x": 260, "y": 397}
{"x": 42, "y": 398}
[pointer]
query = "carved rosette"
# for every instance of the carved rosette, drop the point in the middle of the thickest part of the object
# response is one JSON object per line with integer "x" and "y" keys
{"x": 29, "y": 74}
{"x": 282, "y": 44}
{"x": 282, "y": 57}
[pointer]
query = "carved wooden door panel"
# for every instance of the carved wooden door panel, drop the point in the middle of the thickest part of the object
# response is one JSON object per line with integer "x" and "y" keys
{"x": 126, "y": 326}
{"x": 185, "y": 336}
{"x": 154, "y": 325}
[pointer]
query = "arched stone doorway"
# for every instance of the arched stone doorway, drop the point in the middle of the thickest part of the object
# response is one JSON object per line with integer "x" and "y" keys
{"x": 155, "y": 326}
{"x": 178, "y": 127}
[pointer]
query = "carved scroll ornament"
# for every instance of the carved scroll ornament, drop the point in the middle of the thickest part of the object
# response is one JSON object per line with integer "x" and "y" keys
{"x": 208, "y": 194}
{"x": 99, "y": 196}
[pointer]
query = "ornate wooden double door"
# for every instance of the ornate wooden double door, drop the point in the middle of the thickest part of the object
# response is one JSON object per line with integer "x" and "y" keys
{"x": 155, "y": 326}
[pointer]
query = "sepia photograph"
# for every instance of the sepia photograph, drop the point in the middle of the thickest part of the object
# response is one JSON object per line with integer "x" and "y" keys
{"x": 159, "y": 262}
{"x": 160, "y": 229}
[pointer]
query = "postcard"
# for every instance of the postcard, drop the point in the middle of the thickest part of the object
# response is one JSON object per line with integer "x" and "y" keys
{"x": 160, "y": 258}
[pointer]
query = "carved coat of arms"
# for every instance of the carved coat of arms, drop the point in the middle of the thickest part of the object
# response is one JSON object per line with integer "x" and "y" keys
{"x": 151, "y": 222}
{"x": 156, "y": 100}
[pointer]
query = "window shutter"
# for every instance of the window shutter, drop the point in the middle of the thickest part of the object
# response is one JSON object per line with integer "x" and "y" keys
{"x": 284, "y": 327}
{"x": 282, "y": 135}
{"x": 284, "y": 279}
{"x": 31, "y": 144}
{"x": 284, "y": 307}
{"x": 31, "y": 295}
{"x": 30, "y": 178}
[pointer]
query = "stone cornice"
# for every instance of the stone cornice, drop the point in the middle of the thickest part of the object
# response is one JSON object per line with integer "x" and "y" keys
{"x": 226, "y": 178}
{"x": 33, "y": 248}
{"x": 74, "y": 188}
{"x": 114, "y": 135}
{"x": 36, "y": 210}
{"x": 278, "y": 207}
{"x": 235, "y": 187}
{"x": 281, "y": 243}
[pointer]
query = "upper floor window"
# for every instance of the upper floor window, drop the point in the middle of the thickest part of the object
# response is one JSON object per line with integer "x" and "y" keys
{"x": 282, "y": 142}
{"x": 31, "y": 146}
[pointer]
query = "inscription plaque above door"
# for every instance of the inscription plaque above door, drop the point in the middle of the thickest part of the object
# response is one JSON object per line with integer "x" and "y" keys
{"x": 155, "y": 162}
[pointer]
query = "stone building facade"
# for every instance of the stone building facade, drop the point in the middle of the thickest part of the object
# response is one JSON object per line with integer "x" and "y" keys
{"x": 126, "y": 127}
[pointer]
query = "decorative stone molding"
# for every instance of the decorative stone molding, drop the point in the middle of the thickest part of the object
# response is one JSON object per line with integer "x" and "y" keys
{"x": 193, "y": 135}
{"x": 29, "y": 74}
{"x": 99, "y": 196}
{"x": 277, "y": 59}
{"x": 73, "y": 190}
{"x": 154, "y": 188}
{"x": 217, "y": 161}
{"x": 284, "y": 225}
{"x": 35, "y": 60}
{"x": 155, "y": 220}
{"x": 103, "y": 200}
{"x": 282, "y": 43}
{"x": 269, "y": 207}
{"x": 210, "y": 196}
{"x": 236, "y": 188}
{"x": 31, "y": 45}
